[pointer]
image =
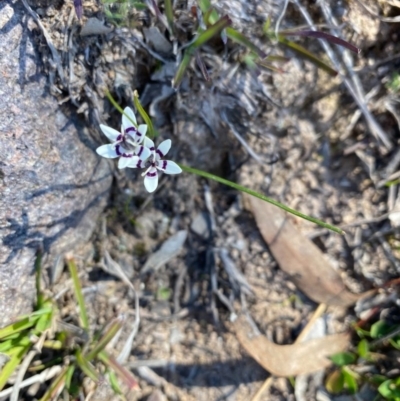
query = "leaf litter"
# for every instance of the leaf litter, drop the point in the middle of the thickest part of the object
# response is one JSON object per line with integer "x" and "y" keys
{"x": 300, "y": 258}
{"x": 290, "y": 360}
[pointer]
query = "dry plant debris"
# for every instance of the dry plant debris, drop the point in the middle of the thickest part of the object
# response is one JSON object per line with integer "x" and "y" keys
{"x": 290, "y": 360}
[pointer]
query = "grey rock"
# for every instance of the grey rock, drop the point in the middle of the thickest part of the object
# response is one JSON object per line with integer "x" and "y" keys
{"x": 53, "y": 186}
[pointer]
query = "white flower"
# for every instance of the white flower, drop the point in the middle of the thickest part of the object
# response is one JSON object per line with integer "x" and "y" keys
{"x": 127, "y": 143}
{"x": 154, "y": 163}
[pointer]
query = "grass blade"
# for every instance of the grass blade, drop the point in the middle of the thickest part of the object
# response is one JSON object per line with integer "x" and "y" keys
{"x": 241, "y": 39}
{"x": 169, "y": 13}
{"x": 124, "y": 374}
{"x": 86, "y": 367}
{"x": 9, "y": 368}
{"x": 323, "y": 35}
{"x": 308, "y": 55}
{"x": 151, "y": 131}
{"x": 78, "y": 293}
{"x": 111, "y": 332}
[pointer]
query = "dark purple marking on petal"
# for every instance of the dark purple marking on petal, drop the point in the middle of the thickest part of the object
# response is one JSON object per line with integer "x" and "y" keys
{"x": 160, "y": 153}
{"x": 141, "y": 148}
{"x": 164, "y": 164}
{"x": 121, "y": 154}
{"x": 151, "y": 174}
{"x": 130, "y": 129}
{"x": 119, "y": 138}
{"x": 139, "y": 164}
{"x": 152, "y": 148}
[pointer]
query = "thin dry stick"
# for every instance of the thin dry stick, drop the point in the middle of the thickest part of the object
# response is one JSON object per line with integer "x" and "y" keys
{"x": 317, "y": 314}
{"x": 21, "y": 373}
{"x": 40, "y": 378}
{"x": 375, "y": 128}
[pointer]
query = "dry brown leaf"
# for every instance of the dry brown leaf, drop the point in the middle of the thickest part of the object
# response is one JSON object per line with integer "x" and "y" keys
{"x": 289, "y": 360}
{"x": 299, "y": 257}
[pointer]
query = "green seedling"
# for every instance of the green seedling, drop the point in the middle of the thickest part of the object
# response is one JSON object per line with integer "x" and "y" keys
{"x": 77, "y": 359}
{"x": 345, "y": 378}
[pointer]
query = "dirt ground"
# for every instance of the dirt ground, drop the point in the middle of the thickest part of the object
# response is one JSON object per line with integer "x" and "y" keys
{"x": 315, "y": 152}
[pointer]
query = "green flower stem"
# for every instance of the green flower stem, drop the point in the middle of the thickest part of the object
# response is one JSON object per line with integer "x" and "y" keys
{"x": 260, "y": 196}
{"x": 119, "y": 108}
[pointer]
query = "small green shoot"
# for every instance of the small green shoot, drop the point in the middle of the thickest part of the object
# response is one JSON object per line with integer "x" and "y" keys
{"x": 78, "y": 358}
{"x": 78, "y": 293}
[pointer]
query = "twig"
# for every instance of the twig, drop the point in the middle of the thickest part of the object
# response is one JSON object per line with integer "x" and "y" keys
{"x": 280, "y": 18}
{"x": 21, "y": 373}
{"x": 112, "y": 267}
{"x": 317, "y": 314}
{"x": 40, "y": 378}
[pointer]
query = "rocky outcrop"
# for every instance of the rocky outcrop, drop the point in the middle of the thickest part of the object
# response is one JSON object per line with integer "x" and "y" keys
{"x": 53, "y": 186}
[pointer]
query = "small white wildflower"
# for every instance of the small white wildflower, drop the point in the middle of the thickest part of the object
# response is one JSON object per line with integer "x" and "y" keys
{"x": 127, "y": 143}
{"x": 154, "y": 163}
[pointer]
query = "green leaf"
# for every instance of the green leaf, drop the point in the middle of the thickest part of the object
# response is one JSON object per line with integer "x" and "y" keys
{"x": 183, "y": 66}
{"x": 380, "y": 329}
{"x": 389, "y": 390}
{"x": 86, "y": 366}
{"x": 343, "y": 358}
{"x": 241, "y": 39}
{"x": 151, "y": 131}
{"x": 350, "y": 380}
{"x": 9, "y": 368}
{"x": 38, "y": 271}
{"x": 164, "y": 294}
{"x": 211, "y": 32}
{"x": 124, "y": 374}
{"x": 119, "y": 108}
{"x": 169, "y": 14}
{"x": 335, "y": 382}
{"x": 323, "y": 35}
{"x": 112, "y": 330}
{"x": 78, "y": 294}
{"x": 16, "y": 327}
{"x": 363, "y": 348}
{"x": 114, "y": 382}
{"x": 205, "y": 6}
{"x": 68, "y": 376}
{"x": 306, "y": 54}
{"x": 231, "y": 184}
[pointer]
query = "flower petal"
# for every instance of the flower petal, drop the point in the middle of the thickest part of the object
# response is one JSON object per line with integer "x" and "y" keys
{"x": 126, "y": 122}
{"x": 107, "y": 151}
{"x": 111, "y": 133}
{"x": 151, "y": 180}
{"x": 141, "y": 132}
{"x": 121, "y": 151}
{"x": 149, "y": 144}
{"x": 124, "y": 161}
{"x": 142, "y": 152}
{"x": 135, "y": 162}
{"x": 169, "y": 167}
{"x": 163, "y": 148}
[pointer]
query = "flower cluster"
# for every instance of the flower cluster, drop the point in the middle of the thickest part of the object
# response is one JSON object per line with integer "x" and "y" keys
{"x": 135, "y": 150}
